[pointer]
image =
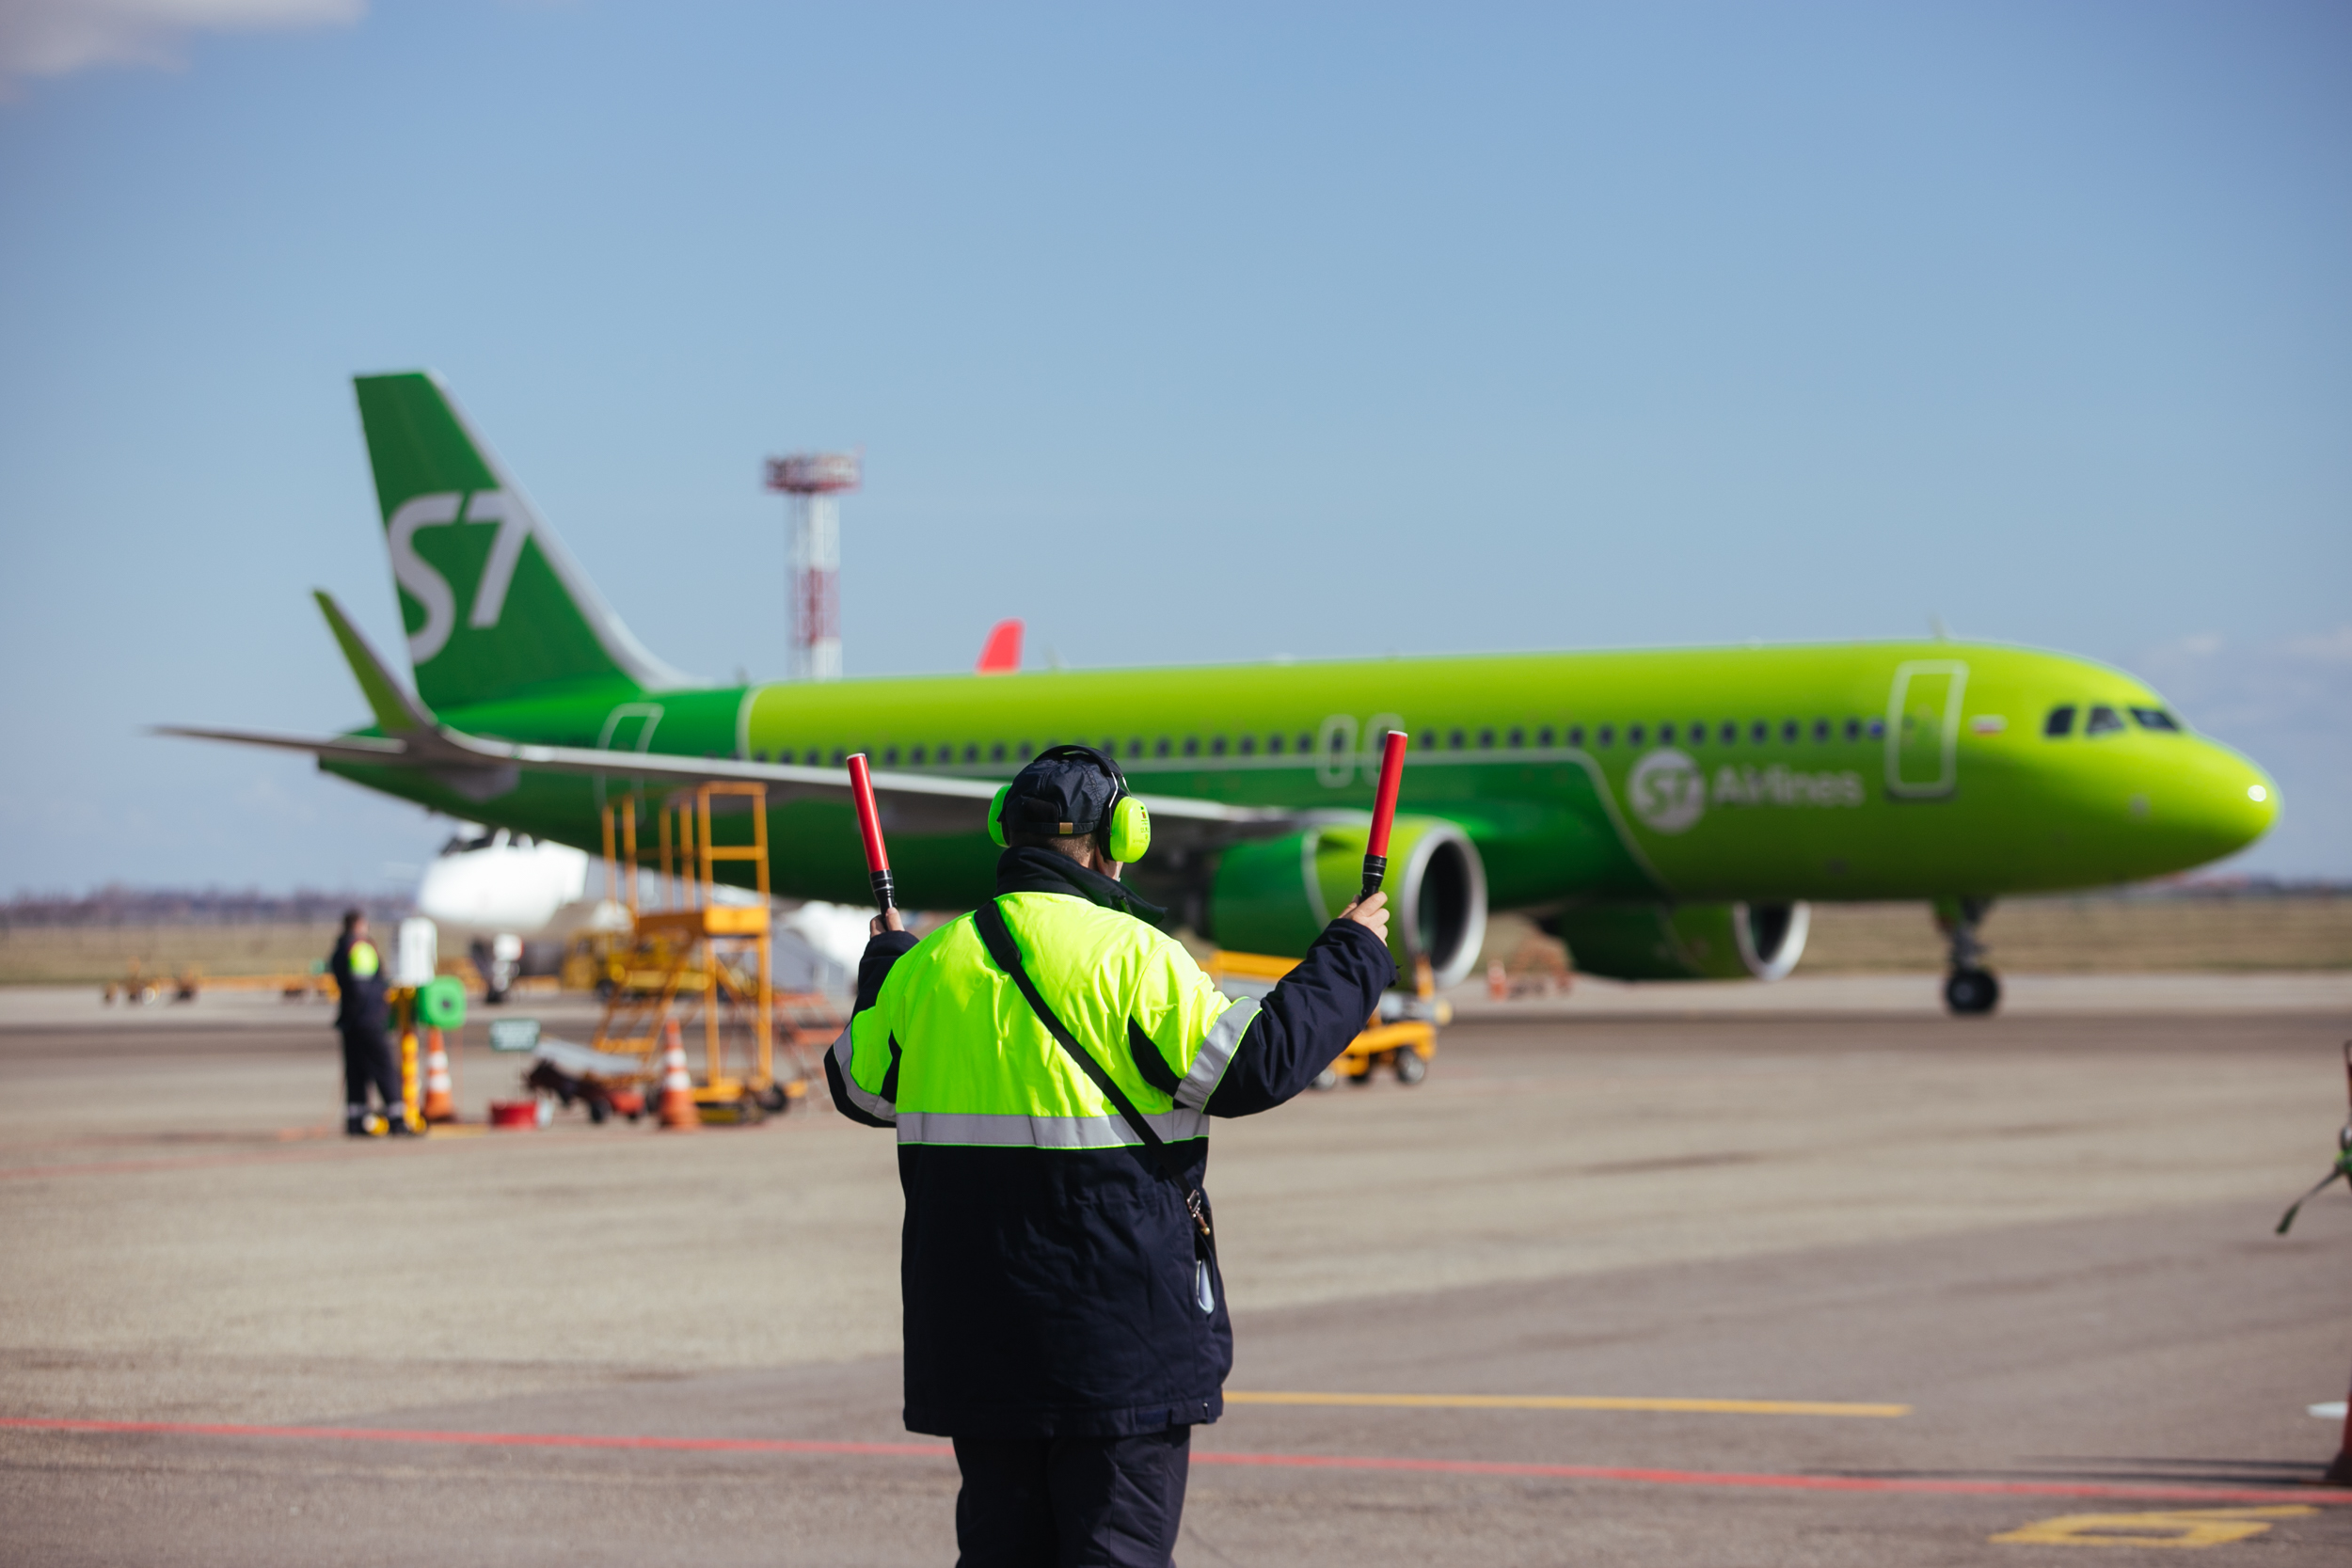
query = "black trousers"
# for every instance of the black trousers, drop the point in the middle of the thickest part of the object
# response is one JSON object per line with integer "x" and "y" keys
{"x": 367, "y": 1059}
{"x": 1071, "y": 1502}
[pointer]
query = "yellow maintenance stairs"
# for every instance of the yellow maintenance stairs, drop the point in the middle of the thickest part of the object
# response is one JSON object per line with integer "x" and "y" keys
{"x": 693, "y": 958}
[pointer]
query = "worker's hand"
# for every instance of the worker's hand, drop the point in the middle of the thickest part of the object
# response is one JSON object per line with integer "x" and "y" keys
{"x": 1371, "y": 914}
{"x": 889, "y": 920}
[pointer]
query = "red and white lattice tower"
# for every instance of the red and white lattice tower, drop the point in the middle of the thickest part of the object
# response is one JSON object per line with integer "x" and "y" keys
{"x": 812, "y": 480}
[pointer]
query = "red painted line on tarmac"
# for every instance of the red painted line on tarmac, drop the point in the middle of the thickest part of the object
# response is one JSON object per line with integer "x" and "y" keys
{"x": 1734, "y": 1478}
{"x": 486, "y": 1439}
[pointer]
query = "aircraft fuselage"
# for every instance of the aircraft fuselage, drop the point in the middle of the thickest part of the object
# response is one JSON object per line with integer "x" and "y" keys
{"x": 1830, "y": 772}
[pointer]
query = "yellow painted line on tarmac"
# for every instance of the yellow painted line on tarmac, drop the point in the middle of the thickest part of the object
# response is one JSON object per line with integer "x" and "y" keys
{"x": 1573, "y": 1401}
{"x": 2202, "y": 1526}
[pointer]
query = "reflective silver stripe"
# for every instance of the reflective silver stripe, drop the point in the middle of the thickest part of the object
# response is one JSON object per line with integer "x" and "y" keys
{"x": 1110, "y": 1131}
{"x": 1217, "y": 1053}
{"x": 872, "y": 1105}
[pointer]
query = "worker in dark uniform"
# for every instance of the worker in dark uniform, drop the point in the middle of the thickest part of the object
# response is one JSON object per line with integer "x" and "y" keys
{"x": 1065, "y": 1321}
{"x": 360, "y": 1014}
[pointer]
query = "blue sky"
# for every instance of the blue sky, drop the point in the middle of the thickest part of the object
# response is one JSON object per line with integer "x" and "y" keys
{"x": 1276, "y": 331}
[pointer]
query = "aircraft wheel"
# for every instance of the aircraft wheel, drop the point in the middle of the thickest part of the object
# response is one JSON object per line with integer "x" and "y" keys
{"x": 1972, "y": 992}
{"x": 1328, "y": 1079}
{"x": 1410, "y": 1069}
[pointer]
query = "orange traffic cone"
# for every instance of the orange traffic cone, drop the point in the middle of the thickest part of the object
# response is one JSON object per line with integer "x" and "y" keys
{"x": 441, "y": 1098}
{"x": 677, "y": 1087}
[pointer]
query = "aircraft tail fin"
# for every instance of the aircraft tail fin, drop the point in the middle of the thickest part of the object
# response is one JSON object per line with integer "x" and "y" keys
{"x": 1001, "y": 653}
{"x": 493, "y": 603}
{"x": 396, "y": 712}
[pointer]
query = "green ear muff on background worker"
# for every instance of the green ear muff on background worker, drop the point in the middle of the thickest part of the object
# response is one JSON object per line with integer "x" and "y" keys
{"x": 1050, "y": 1063}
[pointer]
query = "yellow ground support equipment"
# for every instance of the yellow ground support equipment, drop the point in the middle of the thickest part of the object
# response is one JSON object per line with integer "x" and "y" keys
{"x": 438, "y": 1006}
{"x": 695, "y": 957}
{"x": 139, "y": 987}
{"x": 1401, "y": 1036}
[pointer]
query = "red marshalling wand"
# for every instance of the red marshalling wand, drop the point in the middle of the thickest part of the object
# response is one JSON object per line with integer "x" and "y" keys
{"x": 869, "y": 826}
{"x": 1383, "y": 812}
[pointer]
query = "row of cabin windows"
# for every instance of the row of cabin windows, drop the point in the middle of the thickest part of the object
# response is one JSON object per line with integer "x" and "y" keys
{"x": 1697, "y": 733}
{"x": 2104, "y": 720}
{"x": 916, "y": 756}
{"x": 974, "y": 753}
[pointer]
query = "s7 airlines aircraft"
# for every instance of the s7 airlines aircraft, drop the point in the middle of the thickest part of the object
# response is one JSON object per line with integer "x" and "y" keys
{"x": 1667, "y": 813}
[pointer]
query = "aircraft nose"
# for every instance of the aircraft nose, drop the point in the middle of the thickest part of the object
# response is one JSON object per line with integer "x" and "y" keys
{"x": 2226, "y": 804}
{"x": 2256, "y": 803}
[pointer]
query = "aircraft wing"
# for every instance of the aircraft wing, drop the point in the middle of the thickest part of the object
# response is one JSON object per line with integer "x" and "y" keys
{"x": 482, "y": 770}
{"x": 349, "y": 748}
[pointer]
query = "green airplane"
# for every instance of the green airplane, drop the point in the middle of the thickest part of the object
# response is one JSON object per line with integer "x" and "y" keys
{"x": 1667, "y": 813}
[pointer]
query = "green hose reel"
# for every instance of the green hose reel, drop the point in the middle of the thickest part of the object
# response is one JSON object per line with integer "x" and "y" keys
{"x": 441, "y": 1003}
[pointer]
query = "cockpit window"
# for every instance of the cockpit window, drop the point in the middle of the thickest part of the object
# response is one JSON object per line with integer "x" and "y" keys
{"x": 2103, "y": 720}
{"x": 2060, "y": 724}
{"x": 2155, "y": 719}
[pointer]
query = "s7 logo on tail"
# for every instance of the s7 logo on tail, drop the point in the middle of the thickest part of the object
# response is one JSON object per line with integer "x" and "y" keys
{"x": 424, "y": 582}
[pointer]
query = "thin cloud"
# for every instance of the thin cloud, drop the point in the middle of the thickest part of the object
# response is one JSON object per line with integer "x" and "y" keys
{"x": 2276, "y": 684}
{"x": 2333, "y": 648}
{"x": 57, "y": 37}
{"x": 2284, "y": 702}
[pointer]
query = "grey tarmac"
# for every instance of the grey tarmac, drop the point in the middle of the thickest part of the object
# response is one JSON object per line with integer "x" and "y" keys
{"x": 2047, "y": 1234}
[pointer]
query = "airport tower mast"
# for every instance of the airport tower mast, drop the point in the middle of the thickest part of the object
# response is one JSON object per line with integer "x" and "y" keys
{"x": 811, "y": 479}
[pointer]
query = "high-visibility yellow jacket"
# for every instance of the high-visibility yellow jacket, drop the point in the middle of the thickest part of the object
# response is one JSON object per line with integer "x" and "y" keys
{"x": 1048, "y": 1269}
{"x": 358, "y": 971}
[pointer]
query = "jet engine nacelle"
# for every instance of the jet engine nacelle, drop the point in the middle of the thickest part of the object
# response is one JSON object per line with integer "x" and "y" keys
{"x": 493, "y": 885}
{"x": 1277, "y": 895}
{"x": 1684, "y": 942}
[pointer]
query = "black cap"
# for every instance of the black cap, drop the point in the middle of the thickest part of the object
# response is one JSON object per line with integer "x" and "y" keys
{"x": 1067, "y": 791}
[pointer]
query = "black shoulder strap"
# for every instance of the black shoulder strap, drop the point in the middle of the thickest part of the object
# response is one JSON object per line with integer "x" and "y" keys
{"x": 998, "y": 938}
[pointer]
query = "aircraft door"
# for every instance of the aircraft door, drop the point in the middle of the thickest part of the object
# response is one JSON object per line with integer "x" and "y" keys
{"x": 1923, "y": 728}
{"x": 1335, "y": 752}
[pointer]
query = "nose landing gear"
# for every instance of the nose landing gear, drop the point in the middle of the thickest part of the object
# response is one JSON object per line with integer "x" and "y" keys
{"x": 1971, "y": 990}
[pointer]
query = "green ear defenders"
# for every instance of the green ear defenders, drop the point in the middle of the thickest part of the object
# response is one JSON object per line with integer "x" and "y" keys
{"x": 1130, "y": 832}
{"x": 997, "y": 815}
{"x": 1126, "y": 825}
{"x": 1125, "y": 831}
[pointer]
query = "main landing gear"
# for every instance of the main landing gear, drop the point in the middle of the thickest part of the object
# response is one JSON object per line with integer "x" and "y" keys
{"x": 1971, "y": 990}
